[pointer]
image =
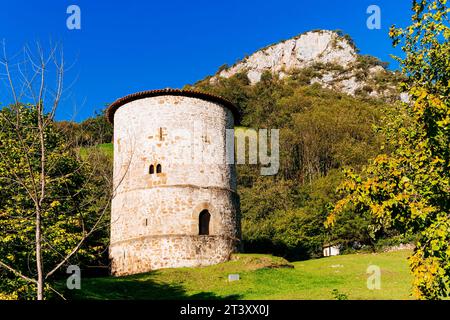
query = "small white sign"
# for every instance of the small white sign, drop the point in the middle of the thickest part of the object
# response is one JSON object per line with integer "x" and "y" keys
{"x": 233, "y": 277}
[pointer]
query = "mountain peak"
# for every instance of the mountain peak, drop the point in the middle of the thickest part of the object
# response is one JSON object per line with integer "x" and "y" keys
{"x": 320, "y": 46}
{"x": 329, "y": 58}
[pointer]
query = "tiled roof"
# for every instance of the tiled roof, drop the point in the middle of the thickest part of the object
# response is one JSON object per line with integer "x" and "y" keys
{"x": 173, "y": 92}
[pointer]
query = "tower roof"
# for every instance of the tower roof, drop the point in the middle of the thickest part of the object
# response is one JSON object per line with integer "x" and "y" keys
{"x": 171, "y": 92}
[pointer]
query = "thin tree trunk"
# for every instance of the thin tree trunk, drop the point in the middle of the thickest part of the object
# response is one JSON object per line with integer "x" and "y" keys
{"x": 39, "y": 263}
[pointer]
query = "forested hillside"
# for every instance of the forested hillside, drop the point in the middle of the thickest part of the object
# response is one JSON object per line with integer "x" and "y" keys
{"x": 321, "y": 133}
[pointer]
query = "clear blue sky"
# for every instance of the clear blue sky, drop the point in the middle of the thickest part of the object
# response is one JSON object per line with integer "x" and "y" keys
{"x": 129, "y": 46}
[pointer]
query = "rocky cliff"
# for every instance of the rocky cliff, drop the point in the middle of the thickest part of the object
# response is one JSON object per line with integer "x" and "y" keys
{"x": 325, "y": 57}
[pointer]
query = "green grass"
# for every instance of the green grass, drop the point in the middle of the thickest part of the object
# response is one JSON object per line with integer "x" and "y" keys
{"x": 262, "y": 277}
{"x": 107, "y": 148}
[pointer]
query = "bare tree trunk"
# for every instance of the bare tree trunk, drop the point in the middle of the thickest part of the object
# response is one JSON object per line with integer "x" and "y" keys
{"x": 41, "y": 132}
{"x": 39, "y": 264}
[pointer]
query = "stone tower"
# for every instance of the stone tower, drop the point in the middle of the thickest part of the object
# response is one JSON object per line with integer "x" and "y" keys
{"x": 175, "y": 202}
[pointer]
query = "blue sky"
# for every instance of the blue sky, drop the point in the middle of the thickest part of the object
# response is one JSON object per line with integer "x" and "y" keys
{"x": 129, "y": 46}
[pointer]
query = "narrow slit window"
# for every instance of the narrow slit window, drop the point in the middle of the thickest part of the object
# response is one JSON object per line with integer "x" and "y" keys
{"x": 151, "y": 170}
{"x": 161, "y": 133}
{"x": 158, "y": 168}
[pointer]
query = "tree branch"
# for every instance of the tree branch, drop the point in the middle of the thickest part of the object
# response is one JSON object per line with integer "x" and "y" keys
{"x": 17, "y": 273}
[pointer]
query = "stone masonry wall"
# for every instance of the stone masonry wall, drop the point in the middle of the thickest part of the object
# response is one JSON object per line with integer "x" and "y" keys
{"x": 155, "y": 217}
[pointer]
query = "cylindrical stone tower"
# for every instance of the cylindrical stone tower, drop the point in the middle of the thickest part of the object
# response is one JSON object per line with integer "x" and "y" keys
{"x": 175, "y": 202}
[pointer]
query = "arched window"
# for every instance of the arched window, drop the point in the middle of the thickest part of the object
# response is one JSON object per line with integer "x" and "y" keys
{"x": 152, "y": 169}
{"x": 203, "y": 222}
{"x": 158, "y": 168}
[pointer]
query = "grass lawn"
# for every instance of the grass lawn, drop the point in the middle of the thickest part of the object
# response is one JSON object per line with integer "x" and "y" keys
{"x": 107, "y": 148}
{"x": 262, "y": 277}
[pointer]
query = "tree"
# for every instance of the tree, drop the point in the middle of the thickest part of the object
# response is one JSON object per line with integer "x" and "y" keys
{"x": 321, "y": 131}
{"x": 408, "y": 187}
{"x": 92, "y": 131}
{"x": 44, "y": 185}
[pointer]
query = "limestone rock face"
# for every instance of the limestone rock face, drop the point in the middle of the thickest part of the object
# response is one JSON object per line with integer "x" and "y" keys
{"x": 296, "y": 53}
{"x": 332, "y": 58}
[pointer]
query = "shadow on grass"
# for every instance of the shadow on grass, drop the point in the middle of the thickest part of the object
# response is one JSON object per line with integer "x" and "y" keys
{"x": 138, "y": 287}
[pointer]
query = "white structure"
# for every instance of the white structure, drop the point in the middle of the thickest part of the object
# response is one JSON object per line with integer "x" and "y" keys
{"x": 331, "y": 250}
{"x": 176, "y": 203}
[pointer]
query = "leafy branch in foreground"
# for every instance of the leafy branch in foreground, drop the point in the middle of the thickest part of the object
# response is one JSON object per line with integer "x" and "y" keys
{"x": 408, "y": 187}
